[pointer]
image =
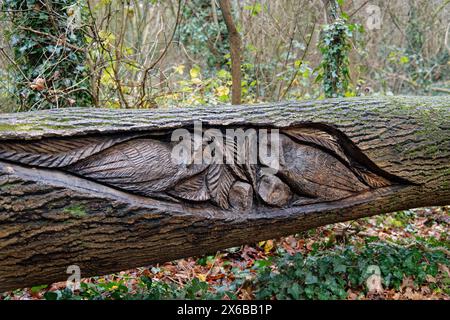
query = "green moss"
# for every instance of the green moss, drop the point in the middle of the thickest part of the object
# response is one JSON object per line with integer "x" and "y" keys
{"x": 433, "y": 116}
{"x": 446, "y": 185}
{"x": 76, "y": 210}
{"x": 62, "y": 127}
{"x": 14, "y": 127}
{"x": 7, "y": 186}
{"x": 166, "y": 116}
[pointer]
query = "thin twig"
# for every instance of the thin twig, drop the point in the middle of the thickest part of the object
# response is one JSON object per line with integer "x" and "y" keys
{"x": 11, "y": 60}
{"x": 359, "y": 8}
{"x": 301, "y": 62}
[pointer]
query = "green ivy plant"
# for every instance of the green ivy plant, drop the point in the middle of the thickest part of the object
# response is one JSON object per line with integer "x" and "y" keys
{"x": 335, "y": 45}
{"x": 203, "y": 32}
{"x": 325, "y": 273}
{"x": 48, "y": 53}
{"x": 328, "y": 274}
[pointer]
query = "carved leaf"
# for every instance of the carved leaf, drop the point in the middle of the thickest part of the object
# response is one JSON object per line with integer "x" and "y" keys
{"x": 251, "y": 173}
{"x": 220, "y": 177}
{"x": 194, "y": 189}
{"x": 230, "y": 150}
{"x": 242, "y": 167}
{"x": 219, "y": 180}
{"x": 328, "y": 141}
{"x": 372, "y": 179}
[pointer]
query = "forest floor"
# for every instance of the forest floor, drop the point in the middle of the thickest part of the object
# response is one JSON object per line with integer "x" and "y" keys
{"x": 409, "y": 250}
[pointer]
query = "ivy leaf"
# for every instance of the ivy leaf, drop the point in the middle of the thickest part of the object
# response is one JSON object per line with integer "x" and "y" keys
{"x": 311, "y": 279}
{"x": 50, "y": 295}
{"x": 339, "y": 268}
{"x": 295, "y": 290}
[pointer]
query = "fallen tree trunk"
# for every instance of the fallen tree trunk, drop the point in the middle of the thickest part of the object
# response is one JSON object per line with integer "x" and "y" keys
{"x": 94, "y": 187}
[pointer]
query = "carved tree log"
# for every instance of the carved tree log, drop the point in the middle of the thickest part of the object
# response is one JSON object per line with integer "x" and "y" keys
{"x": 96, "y": 188}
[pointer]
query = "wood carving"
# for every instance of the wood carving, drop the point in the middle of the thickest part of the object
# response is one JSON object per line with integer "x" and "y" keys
{"x": 313, "y": 167}
{"x": 99, "y": 188}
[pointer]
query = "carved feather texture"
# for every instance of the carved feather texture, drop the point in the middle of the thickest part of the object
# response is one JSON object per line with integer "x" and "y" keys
{"x": 57, "y": 152}
{"x": 372, "y": 179}
{"x": 143, "y": 166}
{"x": 193, "y": 189}
{"x": 329, "y": 142}
{"x": 250, "y": 169}
{"x": 317, "y": 137}
{"x": 316, "y": 173}
{"x": 220, "y": 179}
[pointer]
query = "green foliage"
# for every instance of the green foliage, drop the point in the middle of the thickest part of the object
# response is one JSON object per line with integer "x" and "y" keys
{"x": 204, "y": 33}
{"x": 335, "y": 45}
{"x": 194, "y": 87}
{"x": 147, "y": 290}
{"x": 328, "y": 274}
{"x": 48, "y": 52}
{"x": 421, "y": 69}
{"x": 7, "y": 101}
{"x": 322, "y": 274}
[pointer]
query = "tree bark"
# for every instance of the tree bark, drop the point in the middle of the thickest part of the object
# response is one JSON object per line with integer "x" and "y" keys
{"x": 235, "y": 51}
{"x": 54, "y": 216}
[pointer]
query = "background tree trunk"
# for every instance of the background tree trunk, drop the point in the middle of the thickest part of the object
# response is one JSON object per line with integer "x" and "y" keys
{"x": 50, "y": 219}
{"x": 235, "y": 48}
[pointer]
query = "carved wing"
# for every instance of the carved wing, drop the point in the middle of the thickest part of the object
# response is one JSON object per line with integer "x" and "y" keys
{"x": 318, "y": 138}
{"x": 315, "y": 173}
{"x": 142, "y": 166}
{"x": 58, "y": 152}
{"x": 333, "y": 144}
